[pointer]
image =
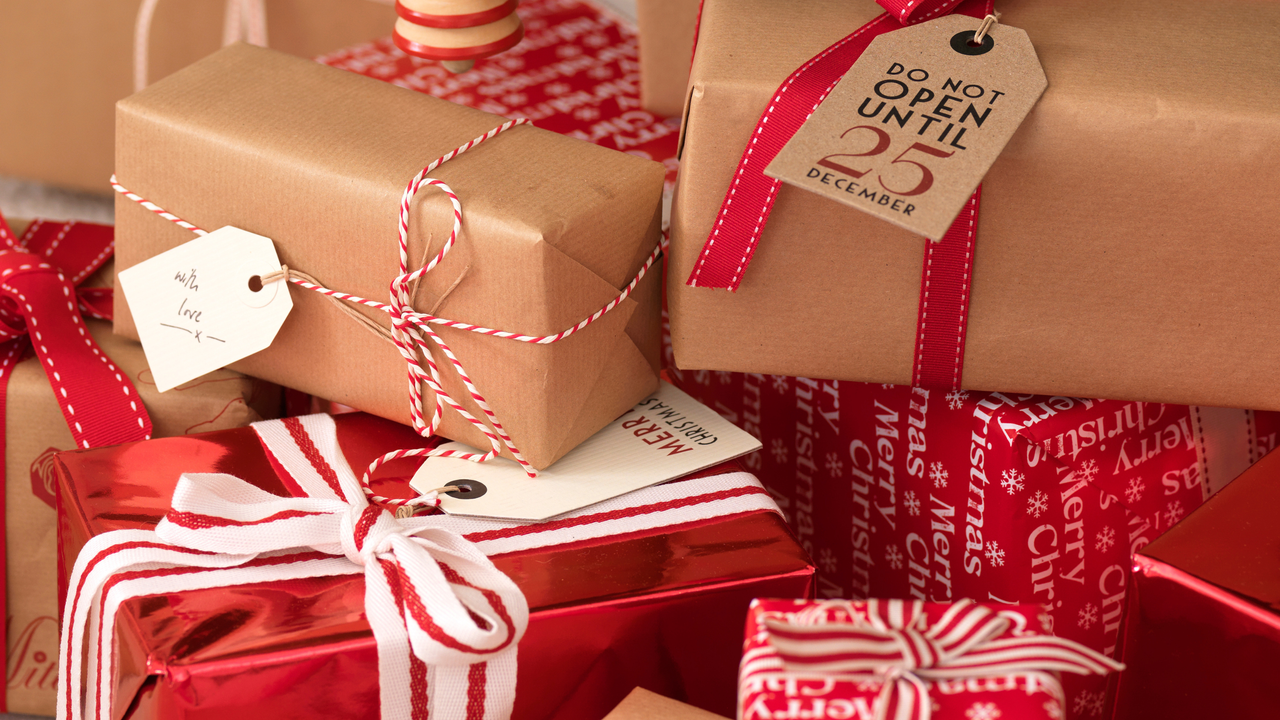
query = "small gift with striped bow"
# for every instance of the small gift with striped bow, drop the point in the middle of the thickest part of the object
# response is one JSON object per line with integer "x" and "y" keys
{"x": 905, "y": 660}
{"x": 247, "y": 574}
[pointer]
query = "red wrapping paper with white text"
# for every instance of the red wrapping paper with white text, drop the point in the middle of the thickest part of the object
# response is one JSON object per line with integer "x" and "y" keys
{"x": 909, "y": 493}
{"x": 577, "y": 72}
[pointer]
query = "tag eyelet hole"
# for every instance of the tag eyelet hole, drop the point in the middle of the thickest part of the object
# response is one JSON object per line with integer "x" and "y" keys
{"x": 962, "y": 42}
{"x": 255, "y": 283}
{"x": 467, "y": 489}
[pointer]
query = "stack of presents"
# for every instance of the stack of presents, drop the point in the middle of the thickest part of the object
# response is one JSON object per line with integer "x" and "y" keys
{"x": 487, "y": 359}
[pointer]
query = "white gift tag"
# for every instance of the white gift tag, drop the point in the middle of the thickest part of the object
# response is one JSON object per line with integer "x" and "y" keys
{"x": 195, "y": 308}
{"x": 666, "y": 436}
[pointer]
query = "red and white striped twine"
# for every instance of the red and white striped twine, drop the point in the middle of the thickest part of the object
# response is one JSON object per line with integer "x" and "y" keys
{"x": 408, "y": 328}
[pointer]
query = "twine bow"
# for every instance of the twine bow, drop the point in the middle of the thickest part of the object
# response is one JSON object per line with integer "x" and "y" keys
{"x": 896, "y": 645}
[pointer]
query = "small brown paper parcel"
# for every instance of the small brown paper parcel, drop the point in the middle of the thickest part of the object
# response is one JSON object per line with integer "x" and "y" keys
{"x": 909, "y": 132}
{"x": 317, "y": 159}
{"x": 34, "y": 430}
{"x": 65, "y": 63}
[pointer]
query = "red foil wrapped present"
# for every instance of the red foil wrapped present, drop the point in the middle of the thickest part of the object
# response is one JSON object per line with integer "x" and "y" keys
{"x": 660, "y": 608}
{"x": 938, "y": 496}
{"x": 1202, "y": 637}
{"x": 907, "y": 660}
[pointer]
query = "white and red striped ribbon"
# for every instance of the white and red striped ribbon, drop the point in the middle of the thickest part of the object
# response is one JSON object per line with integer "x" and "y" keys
{"x": 411, "y": 330}
{"x": 898, "y": 646}
{"x": 427, "y": 579}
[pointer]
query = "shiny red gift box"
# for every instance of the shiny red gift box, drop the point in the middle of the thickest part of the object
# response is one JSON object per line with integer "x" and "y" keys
{"x": 659, "y": 609}
{"x": 1202, "y": 637}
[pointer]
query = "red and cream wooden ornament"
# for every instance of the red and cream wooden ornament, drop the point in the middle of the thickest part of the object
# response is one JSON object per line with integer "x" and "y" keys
{"x": 457, "y": 32}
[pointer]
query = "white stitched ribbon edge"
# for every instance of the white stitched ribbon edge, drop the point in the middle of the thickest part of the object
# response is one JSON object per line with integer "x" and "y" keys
{"x": 425, "y": 577}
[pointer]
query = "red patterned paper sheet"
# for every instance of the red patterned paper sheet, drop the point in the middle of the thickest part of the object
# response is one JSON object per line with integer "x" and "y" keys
{"x": 906, "y": 493}
{"x": 576, "y": 73}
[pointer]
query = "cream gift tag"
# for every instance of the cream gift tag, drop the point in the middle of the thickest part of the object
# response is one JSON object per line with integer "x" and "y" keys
{"x": 909, "y": 132}
{"x": 664, "y": 437}
{"x": 196, "y": 307}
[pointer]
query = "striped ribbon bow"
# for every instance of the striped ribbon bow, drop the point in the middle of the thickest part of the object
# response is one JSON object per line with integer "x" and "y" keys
{"x": 898, "y": 645}
{"x": 446, "y": 621}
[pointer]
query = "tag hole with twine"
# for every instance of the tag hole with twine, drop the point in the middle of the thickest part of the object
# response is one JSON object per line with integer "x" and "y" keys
{"x": 255, "y": 283}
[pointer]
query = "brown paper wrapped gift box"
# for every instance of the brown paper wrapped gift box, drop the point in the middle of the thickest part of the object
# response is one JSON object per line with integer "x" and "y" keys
{"x": 317, "y": 160}
{"x": 64, "y": 64}
{"x": 34, "y": 427}
{"x": 666, "y": 45}
{"x": 1124, "y": 242}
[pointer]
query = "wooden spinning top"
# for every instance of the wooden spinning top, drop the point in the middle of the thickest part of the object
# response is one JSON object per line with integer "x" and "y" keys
{"x": 457, "y": 32}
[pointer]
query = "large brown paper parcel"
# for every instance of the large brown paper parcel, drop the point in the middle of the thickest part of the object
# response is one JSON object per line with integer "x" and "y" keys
{"x": 666, "y": 44}
{"x": 35, "y": 429}
{"x": 65, "y": 63}
{"x": 317, "y": 160}
{"x": 1126, "y": 242}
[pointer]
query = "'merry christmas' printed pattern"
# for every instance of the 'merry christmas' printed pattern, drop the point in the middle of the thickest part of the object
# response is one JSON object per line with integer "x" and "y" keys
{"x": 576, "y": 73}
{"x": 912, "y": 493}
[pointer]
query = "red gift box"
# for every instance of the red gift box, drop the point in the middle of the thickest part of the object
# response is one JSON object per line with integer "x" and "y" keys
{"x": 1202, "y": 637}
{"x": 879, "y": 659}
{"x": 660, "y": 607}
{"x": 937, "y": 496}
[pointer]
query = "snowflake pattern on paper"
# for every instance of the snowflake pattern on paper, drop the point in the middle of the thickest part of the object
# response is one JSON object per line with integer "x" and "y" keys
{"x": 1133, "y": 493}
{"x": 1038, "y": 504}
{"x": 1105, "y": 540}
{"x": 1173, "y": 512}
{"x": 833, "y": 464}
{"x": 983, "y": 711}
{"x": 956, "y": 398}
{"x": 724, "y": 377}
{"x": 568, "y": 51}
{"x": 1012, "y": 481}
{"x": 779, "y": 450}
{"x": 1053, "y": 710}
{"x": 827, "y": 560}
{"x": 595, "y": 41}
{"x": 600, "y": 72}
{"x": 586, "y": 113}
{"x": 1087, "y": 703}
{"x": 995, "y": 555}
{"x": 938, "y": 474}
{"x": 911, "y": 503}
{"x": 557, "y": 89}
{"x": 780, "y": 384}
{"x": 1087, "y": 616}
{"x": 1088, "y": 470}
{"x": 894, "y": 556}
{"x": 515, "y": 98}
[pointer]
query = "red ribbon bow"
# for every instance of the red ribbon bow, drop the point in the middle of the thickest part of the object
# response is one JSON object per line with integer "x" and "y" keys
{"x": 944, "y": 283}
{"x": 41, "y": 309}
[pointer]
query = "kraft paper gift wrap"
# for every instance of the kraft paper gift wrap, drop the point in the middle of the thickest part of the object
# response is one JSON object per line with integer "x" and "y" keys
{"x": 662, "y": 608}
{"x": 317, "y": 159}
{"x": 65, "y": 63}
{"x": 1117, "y": 250}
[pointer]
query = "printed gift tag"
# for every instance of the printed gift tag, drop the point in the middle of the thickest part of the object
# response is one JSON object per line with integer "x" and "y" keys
{"x": 912, "y": 128}
{"x": 664, "y": 437}
{"x": 201, "y": 306}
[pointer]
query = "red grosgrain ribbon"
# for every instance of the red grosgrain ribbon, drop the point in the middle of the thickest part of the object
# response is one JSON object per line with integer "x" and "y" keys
{"x": 750, "y": 197}
{"x": 944, "y": 302}
{"x": 896, "y": 643}
{"x": 38, "y": 275}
